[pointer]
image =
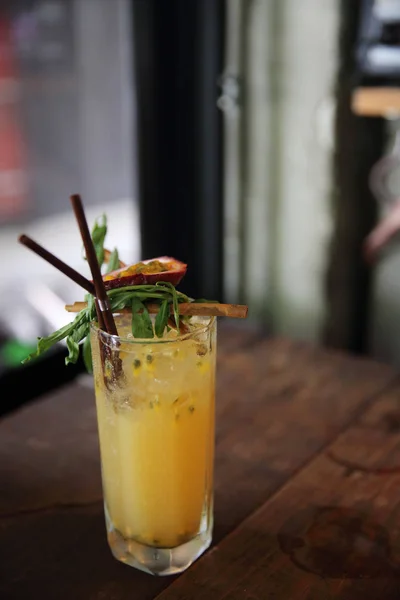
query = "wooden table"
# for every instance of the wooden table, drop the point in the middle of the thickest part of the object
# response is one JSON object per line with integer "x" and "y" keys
{"x": 307, "y": 487}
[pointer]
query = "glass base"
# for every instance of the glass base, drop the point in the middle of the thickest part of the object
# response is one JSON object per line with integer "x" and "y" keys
{"x": 158, "y": 561}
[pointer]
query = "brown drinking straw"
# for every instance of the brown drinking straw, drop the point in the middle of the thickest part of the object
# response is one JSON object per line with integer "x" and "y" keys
{"x": 87, "y": 285}
{"x": 101, "y": 294}
{"x": 57, "y": 263}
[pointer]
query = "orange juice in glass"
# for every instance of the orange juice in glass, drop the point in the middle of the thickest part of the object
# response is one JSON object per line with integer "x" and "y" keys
{"x": 156, "y": 430}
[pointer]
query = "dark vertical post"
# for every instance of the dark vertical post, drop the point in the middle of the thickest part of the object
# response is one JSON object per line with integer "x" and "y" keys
{"x": 359, "y": 144}
{"x": 178, "y": 56}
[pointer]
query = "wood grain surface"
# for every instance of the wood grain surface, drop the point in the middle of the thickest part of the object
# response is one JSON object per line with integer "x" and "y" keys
{"x": 298, "y": 431}
{"x": 333, "y": 531}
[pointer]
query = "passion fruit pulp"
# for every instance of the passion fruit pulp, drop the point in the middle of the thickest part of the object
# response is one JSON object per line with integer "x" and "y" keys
{"x": 146, "y": 272}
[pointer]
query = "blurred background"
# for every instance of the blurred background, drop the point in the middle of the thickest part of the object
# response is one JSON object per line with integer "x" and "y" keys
{"x": 236, "y": 135}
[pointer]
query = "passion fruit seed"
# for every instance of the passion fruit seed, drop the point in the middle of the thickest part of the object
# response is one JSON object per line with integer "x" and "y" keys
{"x": 108, "y": 368}
{"x": 136, "y": 363}
{"x": 154, "y": 266}
{"x": 202, "y": 350}
{"x": 178, "y": 402}
{"x": 175, "y": 405}
{"x": 203, "y": 366}
{"x": 149, "y": 359}
{"x": 191, "y": 408}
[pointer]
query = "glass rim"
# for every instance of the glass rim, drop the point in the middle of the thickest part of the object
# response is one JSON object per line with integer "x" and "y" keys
{"x": 111, "y": 339}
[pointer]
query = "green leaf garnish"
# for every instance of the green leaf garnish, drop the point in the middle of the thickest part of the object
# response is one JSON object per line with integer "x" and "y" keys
{"x": 73, "y": 340}
{"x": 161, "y": 318}
{"x": 99, "y": 233}
{"x": 46, "y": 343}
{"x": 74, "y": 332}
{"x": 113, "y": 262}
{"x": 73, "y": 350}
{"x": 87, "y": 354}
{"x": 175, "y": 303}
{"x": 141, "y": 322}
{"x": 121, "y": 301}
{"x": 133, "y": 296}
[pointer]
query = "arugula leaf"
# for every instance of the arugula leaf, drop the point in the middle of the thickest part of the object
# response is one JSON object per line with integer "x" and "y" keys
{"x": 176, "y": 310}
{"x": 99, "y": 233}
{"x": 75, "y": 331}
{"x": 46, "y": 343}
{"x": 90, "y": 303}
{"x": 82, "y": 331}
{"x": 175, "y": 302}
{"x": 121, "y": 301}
{"x": 161, "y": 318}
{"x": 141, "y": 323}
{"x": 113, "y": 262}
{"x": 73, "y": 340}
{"x": 148, "y": 295}
{"x": 73, "y": 350}
{"x": 129, "y": 296}
{"x": 87, "y": 354}
{"x": 167, "y": 287}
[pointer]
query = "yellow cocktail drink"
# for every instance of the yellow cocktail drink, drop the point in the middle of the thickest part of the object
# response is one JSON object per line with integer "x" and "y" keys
{"x": 156, "y": 430}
